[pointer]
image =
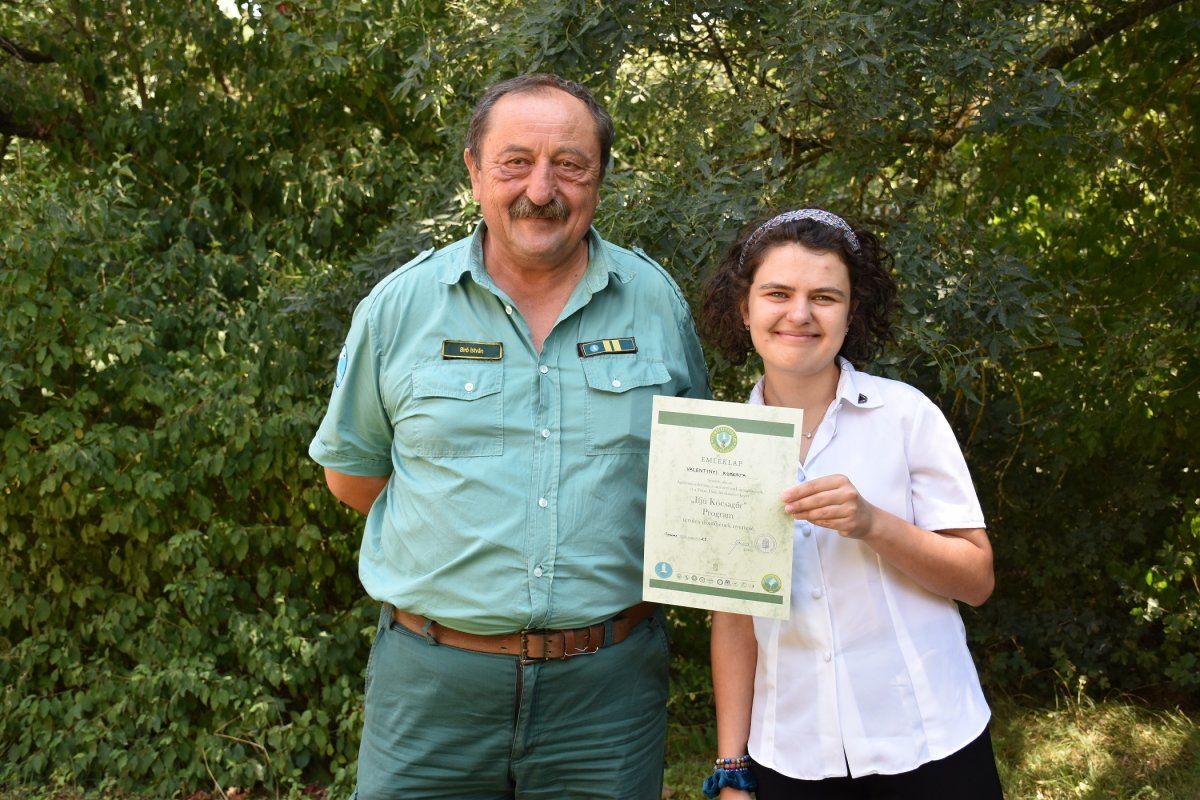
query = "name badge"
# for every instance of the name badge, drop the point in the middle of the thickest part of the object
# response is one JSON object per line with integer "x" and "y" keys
{"x": 475, "y": 351}
{"x": 604, "y": 346}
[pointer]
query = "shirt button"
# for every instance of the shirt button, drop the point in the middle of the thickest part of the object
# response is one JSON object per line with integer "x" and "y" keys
{"x": 543, "y": 502}
{"x": 537, "y": 572}
{"x": 508, "y": 310}
{"x": 470, "y": 387}
{"x": 616, "y": 384}
{"x": 806, "y": 529}
{"x": 816, "y": 594}
{"x": 829, "y": 656}
{"x": 543, "y": 369}
{"x": 545, "y": 433}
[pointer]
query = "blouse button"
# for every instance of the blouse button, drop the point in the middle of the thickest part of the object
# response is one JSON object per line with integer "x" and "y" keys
{"x": 470, "y": 387}
{"x": 816, "y": 594}
{"x": 616, "y": 384}
{"x": 543, "y": 369}
{"x": 543, "y": 502}
{"x": 537, "y": 572}
{"x": 828, "y": 656}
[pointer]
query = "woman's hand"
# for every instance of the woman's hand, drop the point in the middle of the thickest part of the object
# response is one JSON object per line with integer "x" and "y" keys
{"x": 954, "y": 562}
{"x": 832, "y": 502}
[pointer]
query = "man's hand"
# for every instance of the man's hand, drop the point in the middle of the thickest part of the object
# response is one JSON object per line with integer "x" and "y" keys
{"x": 831, "y": 502}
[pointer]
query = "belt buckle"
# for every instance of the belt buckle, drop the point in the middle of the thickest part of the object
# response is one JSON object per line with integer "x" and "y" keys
{"x": 524, "y": 654}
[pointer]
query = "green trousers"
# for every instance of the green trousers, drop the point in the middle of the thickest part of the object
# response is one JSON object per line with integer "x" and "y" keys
{"x": 441, "y": 722}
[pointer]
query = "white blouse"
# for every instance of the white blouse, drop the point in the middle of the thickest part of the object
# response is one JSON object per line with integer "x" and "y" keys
{"x": 872, "y": 671}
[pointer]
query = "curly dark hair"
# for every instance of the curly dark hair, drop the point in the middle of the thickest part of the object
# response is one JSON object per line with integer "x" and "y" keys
{"x": 872, "y": 288}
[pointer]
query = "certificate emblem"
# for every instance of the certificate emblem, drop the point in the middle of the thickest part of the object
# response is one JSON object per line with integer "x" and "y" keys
{"x": 723, "y": 439}
{"x": 771, "y": 583}
{"x": 663, "y": 570}
{"x": 766, "y": 543}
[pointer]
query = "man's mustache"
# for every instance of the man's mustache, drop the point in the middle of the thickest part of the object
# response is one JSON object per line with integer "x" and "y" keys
{"x": 524, "y": 208}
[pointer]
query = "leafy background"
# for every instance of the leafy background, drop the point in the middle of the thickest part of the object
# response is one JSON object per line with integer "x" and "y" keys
{"x": 194, "y": 195}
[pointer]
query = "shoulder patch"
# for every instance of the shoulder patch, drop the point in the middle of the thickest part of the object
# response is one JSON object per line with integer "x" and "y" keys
{"x": 342, "y": 365}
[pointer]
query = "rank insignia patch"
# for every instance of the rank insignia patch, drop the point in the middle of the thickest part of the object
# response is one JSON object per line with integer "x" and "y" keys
{"x": 475, "y": 351}
{"x": 603, "y": 346}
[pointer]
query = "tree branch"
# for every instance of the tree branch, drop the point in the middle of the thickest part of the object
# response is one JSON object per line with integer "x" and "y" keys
{"x": 798, "y": 145}
{"x": 10, "y": 127}
{"x": 24, "y": 53}
{"x": 720, "y": 52}
{"x": 65, "y": 122}
{"x": 1060, "y": 55}
{"x": 1056, "y": 57}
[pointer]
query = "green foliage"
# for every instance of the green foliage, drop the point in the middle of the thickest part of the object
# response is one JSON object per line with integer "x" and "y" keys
{"x": 192, "y": 203}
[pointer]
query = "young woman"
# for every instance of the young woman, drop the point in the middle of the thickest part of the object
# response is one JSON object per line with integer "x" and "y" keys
{"x": 868, "y": 690}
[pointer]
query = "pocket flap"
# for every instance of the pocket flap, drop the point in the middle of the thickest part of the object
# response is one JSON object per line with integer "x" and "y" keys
{"x": 621, "y": 373}
{"x": 463, "y": 381}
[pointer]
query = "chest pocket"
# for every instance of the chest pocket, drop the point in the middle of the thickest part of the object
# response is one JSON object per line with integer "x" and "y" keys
{"x": 458, "y": 409}
{"x": 620, "y": 389}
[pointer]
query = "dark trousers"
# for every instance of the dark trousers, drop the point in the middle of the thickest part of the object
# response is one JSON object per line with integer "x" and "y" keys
{"x": 441, "y": 723}
{"x": 969, "y": 774}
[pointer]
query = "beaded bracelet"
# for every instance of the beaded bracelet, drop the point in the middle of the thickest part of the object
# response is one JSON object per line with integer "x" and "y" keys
{"x": 732, "y": 772}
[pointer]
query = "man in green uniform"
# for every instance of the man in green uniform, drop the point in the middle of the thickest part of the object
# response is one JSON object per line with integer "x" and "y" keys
{"x": 491, "y": 416}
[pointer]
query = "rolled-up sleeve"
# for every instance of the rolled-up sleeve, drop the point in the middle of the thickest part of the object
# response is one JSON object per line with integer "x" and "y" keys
{"x": 355, "y": 437}
{"x": 943, "y": 495}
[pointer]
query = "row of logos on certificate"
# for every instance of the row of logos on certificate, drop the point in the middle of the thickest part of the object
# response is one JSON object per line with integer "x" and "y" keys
{"x": 769, "y": 582}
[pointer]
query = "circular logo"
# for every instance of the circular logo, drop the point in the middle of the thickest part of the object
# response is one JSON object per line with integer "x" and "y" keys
{"x": 723, "y": 438}
{"x": 663, "y": 570}
{"x": 772, "y": 583}
{"x": 765, "y": 543}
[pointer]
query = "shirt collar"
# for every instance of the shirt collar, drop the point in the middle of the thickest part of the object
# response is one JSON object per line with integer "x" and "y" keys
{"x": 854, "y": 387}
{"x": 470, "y": 260}
{"x": 858, "y": 388}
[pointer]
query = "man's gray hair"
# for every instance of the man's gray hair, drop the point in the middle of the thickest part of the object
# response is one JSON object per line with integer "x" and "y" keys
{"x": 538, "y": 82}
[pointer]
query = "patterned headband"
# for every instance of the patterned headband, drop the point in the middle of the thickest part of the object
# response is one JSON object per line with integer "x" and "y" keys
{"x": 815, "y": 214}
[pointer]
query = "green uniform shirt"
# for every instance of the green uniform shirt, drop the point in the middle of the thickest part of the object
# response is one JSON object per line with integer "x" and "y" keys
{"x": 518, "y": 479}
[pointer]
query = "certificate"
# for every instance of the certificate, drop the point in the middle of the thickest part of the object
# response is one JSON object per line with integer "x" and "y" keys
{"x": 717, "y": 536}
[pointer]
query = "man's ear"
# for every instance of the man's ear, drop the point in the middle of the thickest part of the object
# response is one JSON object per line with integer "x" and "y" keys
{"x": 472, "y": 171}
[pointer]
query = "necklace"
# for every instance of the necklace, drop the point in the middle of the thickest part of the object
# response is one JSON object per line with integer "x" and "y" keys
{"x": 808, "y": 435}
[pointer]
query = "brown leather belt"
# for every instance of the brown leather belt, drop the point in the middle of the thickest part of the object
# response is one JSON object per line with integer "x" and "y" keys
{"x": 531, "y": 645}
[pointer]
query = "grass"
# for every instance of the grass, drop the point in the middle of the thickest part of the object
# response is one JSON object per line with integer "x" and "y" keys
{"x": 1075, "y": 750}
{"x": 1079, "y": 750}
